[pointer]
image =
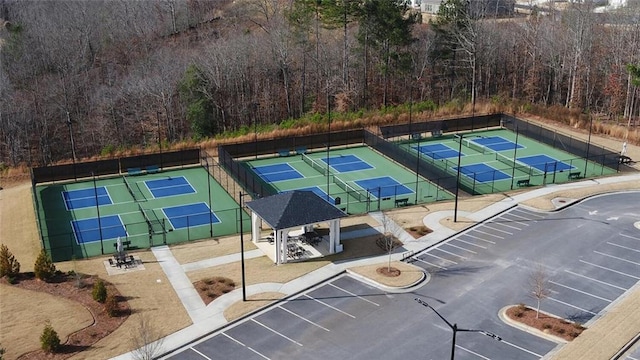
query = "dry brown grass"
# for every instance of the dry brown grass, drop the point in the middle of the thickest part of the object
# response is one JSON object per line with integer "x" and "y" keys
{"x": 206, "y": 249}
{"x": 253, "y": 303}
{"x": 409, "y": 274}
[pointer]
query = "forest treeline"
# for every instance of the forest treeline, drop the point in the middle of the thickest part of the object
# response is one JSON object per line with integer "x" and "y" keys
{"x": 81, "y": 78}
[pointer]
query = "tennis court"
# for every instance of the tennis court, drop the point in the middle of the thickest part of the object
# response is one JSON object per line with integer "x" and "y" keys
{"x": 355, "y": 179}
{"x": 84, "y": 219}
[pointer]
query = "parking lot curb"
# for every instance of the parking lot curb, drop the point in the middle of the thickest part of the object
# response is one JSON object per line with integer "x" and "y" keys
{"x": 393, "y": 289}
{"x": 502, "y": 314}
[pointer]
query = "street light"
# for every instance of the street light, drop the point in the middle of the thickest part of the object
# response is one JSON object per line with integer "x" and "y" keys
{"x": 244, "y": 287}
{"x": 455, "y": 207}
{"x": 456, "y": 329}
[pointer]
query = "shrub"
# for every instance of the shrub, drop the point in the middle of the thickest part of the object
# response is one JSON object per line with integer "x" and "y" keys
{"x": 111, "y": 305}
{"x": 49, "y": 340}
{"x": 560, "y": 330}
{"x": 546, "y": 326}
{"x": 99, "y": 291}
{"x": 9, "y": 266}
{"x": 44, "y": 269}
{"x": 518, "y": 313}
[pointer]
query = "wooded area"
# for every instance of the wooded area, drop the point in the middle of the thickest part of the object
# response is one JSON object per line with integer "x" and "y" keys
{"x": 81, "y": 78}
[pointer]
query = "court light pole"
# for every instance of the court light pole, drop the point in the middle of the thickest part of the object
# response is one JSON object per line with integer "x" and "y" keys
{"x": 209, "y": 188}
{"x": 95, "y": 193}
{"x": 159, "y": 138}
{"x": 73, "y": 146}
{"x": 586, "y": 158}
{"x": 244, "y": 287}
{"x": 455, "y": 206}
{"x": 455, "y": 329}
{"x": 328, "y": 138}
{"x": 418, "y": 170}
{"x": 515, "y": 152}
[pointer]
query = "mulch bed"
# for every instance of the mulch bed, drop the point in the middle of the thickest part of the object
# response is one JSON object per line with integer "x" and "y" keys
{"x": 418, "y": 231}
{"x": 66, "y": 286}
{"x": 210, "y": 289}
{"x": 388, "y": 272}
{"x": 545, "y": 323}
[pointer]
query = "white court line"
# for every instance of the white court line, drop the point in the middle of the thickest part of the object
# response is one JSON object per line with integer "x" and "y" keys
{"x": 596, "y": 280}
{"x": 615, "y": 257}
{"x": 472, "y": 352}
{"x": 329, "y": 306}
{"x": 302, "y": 318}
{"x": 573, "y": 306}
{"x": 248, "y": 347}
{"x": 428, "y": 263}
{"x": 520, "y": 348}
{"x": 276, "y": 332}
{"x": 623, "y": 247}
{"x": 200, "y": 353}
{"x": 461, "y": 248}
{"x": 609, "y": 269}
{"x": 450, "y": 253}
{"x": 505, "y": 225}
{"x": 441, "y": 258}
{"x": 579, "y": 291}
{"x": 352, "y": 294}
{"x": 486, "y": 233}
{"x": 630, "y": 237}
{"x": 470, "y": 243}
{"x": 479, "y": 238}
{"x": 502, "y": 231}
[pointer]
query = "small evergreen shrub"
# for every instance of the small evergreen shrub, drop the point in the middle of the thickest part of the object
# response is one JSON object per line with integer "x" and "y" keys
{"x": 99, "y": 291}
{"x": 49, "y": 340}
{"x": 9, "y": 266}
{"x": 44, "y": 269}
{"x": 111, "y": 306}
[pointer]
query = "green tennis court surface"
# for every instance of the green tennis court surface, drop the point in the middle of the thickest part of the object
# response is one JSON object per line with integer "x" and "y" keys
{"x": 355, "y": 179}
{"x": 84, "y": 219}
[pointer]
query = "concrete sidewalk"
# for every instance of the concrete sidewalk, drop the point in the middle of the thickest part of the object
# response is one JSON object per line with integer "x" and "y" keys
{"x": 209, "y": 318}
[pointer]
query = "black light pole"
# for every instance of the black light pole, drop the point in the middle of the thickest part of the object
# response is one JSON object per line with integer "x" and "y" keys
{"x": 209, "y": 187}
{"x": 255, "y": 129}
{"x": 586, "y": 158}
{"x": 95, "y": 193}
{"x": 244, "y": 287}
{"x": 328, "y": 138}
{"x": 159, "y": 138}
{"x": 418, "y": 170}
{"x": 455, "y": 208}
{"x": 73, "y": 146}
{"x": 515, "y": 152}
{"x": 456, "y": 329}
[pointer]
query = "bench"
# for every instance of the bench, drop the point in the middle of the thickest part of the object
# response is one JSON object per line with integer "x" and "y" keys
{"x": 436, "y": 133}
{"x": 283, "y": 152}
{"x": 152, "y": 169}
{"x": 625, "y": 159}
{"x": 524, "y": 182}
{"x": 134, "y": 171}
{"x": 402, "y": 202}
{"x": 126, "y": 244}
{"x": 574, "y": 175}
{"x": 416, "y": 136}
{"x": 301, "y": 150}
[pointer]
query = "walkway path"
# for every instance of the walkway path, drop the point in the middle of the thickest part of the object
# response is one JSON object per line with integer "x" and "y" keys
{"x": 208, "y": 318}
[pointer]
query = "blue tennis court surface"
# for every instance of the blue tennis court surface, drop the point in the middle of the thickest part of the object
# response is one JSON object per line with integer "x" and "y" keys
{"x": 384, "y": 186}
{"x": 347, "y": 163}
{"x": 89, "y": 197}
{"x": 88, "y": 230}
{"x": 316, "y": 190}
{"x": 438, "y": 151}
{"x": 169, "y": 187}
{"x": 482, "y": 172}
{"x": 496, "y": 143}
{"x": 190, "y": 215}
{"x": 277, "y": 172}
{"x": 545, "y": 163}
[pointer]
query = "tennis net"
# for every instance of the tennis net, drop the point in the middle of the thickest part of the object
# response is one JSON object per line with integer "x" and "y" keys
{"x": 146, "y": 218}
{"x": 348, "y": 188}
{"x": 471, "y": 144}
{"x": 126, "y": 183}
{"x": 315, "y": 164}
{"x": 516, "y": 165}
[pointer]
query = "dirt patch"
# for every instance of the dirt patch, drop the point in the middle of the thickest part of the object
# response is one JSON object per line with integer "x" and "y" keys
{"x": 212, "y": 288}
{"x": 388, "y": 271}
{"x": 551, "y": 325}
{"x": 89, "y": 323}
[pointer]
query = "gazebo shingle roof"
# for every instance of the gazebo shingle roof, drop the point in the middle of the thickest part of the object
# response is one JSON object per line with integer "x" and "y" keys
{"x": 294, "y": 208}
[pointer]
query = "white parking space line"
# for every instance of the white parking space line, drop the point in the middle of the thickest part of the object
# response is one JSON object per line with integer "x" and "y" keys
{"x": 461, "y": 248}
{"x": 572, "y": 306}
{"x": 472, "y": 352}
{"x": 303, "y": 318}
{"x": 200, "y": 353}
{"x": 520, "y": 348}
{"x": 596, "y": 280}
{"x": 355, "y": 295}
{"x": 441, "y": 258}
{"x": 502, "y": 231}
{"x": 623, "y": 247}
{"x": 330, "y": 307}
{"x": 276, "y": 332}
{"x": 579, "y": 291}
{"x": 248, "y": 347}
{"x": 615, "y": 257}
{"x": 505, "y": 225}
{"x": 521, "y": 217}
{"x": 533, "y": 214}
{"x": 490, "y": 234}
{"x": 479, "y": 238}
{"x": 609, "y": 269}
{"x": 428, "y": 263}
{"x": 630, "y": 237}
{"x": 631, "y": 358}
{"x": 470, "y": 243}
{"x": 450, "y": 253}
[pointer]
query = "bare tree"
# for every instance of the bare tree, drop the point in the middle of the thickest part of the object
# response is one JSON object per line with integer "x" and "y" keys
{"x": 145, "y": 339}
{"x": 539, "y": 286}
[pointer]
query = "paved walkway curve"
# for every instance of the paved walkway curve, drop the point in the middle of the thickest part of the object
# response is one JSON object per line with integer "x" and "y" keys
{"x": 207, "y": 319}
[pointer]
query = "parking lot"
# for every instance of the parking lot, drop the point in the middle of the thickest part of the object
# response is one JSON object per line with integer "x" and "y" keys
{"x": 590, "y": 252}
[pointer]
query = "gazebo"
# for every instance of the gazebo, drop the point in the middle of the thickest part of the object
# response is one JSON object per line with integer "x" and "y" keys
{"x": 291, "y": 210}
